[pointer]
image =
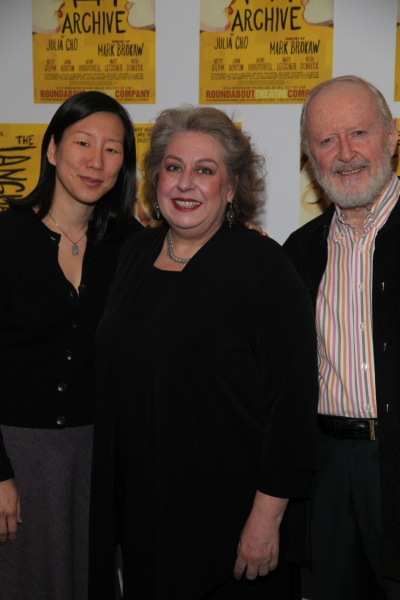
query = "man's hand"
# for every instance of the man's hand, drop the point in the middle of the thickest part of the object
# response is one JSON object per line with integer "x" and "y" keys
{"x": 10, "y": 511}
{"x": 258, "y": 547}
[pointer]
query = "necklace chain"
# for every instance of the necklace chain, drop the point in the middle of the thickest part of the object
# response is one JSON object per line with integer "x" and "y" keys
{"x": 75, "y": 249}
{"x": 170, "y": 252}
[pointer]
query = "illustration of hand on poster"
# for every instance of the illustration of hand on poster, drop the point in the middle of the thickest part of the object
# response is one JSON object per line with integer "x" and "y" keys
{"x": 264, "y": 51}
{"x": 106, "y": 45}
{"x": 318, "y": 12}
{"x": 46, "y": 15}
{"x": 141, "y": 14}
{"x": 214, "y": 15}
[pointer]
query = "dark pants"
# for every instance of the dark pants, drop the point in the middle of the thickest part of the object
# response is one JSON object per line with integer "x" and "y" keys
{"x": 346, "y": 523}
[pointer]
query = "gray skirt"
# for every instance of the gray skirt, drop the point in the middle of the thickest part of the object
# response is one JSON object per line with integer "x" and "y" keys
{"x": 49, "y": 559}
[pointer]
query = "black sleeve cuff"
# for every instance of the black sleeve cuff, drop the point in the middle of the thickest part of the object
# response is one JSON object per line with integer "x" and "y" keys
{"x": 285, "y": 484}
{"x": 6, "y": 470}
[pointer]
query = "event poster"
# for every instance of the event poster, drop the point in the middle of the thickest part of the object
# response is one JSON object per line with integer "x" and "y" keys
{"x": 106, "y": 45}
{"x": 19, "y": 160}
{"x": 143, "y": 212}
{"x": 313, "y": 201}
{"x": 264, "y": 51}
{"x": 20, "y": 147}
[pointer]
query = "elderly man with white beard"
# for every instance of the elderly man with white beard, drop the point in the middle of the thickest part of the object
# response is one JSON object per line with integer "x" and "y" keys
{"x": 349, "y": 258}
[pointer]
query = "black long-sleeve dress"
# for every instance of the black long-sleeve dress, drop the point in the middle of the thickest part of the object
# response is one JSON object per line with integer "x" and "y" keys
{"x": 207, "y": 391}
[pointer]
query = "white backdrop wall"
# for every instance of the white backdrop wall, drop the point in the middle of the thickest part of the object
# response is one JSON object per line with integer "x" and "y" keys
{"x": 364, "y": 45}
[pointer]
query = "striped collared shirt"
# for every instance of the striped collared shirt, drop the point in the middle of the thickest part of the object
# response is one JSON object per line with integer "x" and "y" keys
{"x": 344, "y": 314}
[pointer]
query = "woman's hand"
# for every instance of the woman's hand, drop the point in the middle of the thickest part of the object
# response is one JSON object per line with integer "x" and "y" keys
{"x": 10, "y": 511}
{"x": 256, "y": 228}
{"x": 258, "y": 547}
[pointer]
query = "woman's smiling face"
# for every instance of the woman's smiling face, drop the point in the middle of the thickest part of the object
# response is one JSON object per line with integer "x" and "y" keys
{"x": 88, "y": 158}
{"x": 194, "y": 188}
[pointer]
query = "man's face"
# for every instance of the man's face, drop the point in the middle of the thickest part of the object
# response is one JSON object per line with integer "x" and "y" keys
{"x": 350, "y": 147}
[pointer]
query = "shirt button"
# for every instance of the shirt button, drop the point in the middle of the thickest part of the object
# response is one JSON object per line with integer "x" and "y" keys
{"x": 60, "y": 420}
{"x": 62, "y": 387}
{"x": 364, "y": 366}
{"x": 361, "y": 286}
{"x": 362, "y": 326}
{"x": 361, "y": 249}
{"x": 368, "y": 407}
{"x": 68, "y": 356}
{"x": 82, "y": 288}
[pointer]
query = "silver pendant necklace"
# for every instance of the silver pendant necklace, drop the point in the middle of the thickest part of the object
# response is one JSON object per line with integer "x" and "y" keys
{"x": 75, "y": 249}
{"x": 170, "y": 252}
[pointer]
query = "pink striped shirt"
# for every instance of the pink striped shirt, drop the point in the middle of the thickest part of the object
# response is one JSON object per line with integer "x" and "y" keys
{"x": 344, "y": 314}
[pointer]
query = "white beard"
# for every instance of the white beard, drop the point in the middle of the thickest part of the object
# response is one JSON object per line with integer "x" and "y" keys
{"x": 351, "y": 197}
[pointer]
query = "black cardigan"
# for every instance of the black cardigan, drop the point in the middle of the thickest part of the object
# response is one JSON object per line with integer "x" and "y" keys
{"x": 307, "y": 249}
{"x": 46, "y": 329}
{"x": 224, "y": 392}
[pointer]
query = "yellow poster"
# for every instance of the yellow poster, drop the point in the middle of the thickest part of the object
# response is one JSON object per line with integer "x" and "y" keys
{"x": 20, "y": 147}
{"x": 19, "y": 160}
{"x": 397, "y": 64}
{"x": 143, "y": 212}
{"x": 264, "y": 51}
{"x": 313, "y": 201}
{"x": 395, "y": 158}
{"x": 106, "y": 45}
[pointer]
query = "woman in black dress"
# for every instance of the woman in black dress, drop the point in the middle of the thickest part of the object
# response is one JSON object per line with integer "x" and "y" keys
{"x": 207, "y": 383}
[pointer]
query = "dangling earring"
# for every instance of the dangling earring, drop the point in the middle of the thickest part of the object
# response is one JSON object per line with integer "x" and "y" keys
{"x": 157, "y": 209}
{"x": 230, "y": 215}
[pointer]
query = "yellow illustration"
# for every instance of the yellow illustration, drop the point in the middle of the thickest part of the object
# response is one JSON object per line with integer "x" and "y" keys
{"x": 106, "y": 45}
{"x": 318, "y": 12}
{"x": 46, "y": 15}
{"x": 19, "y": 160}
{"x": 264, "y": 51}
{"x": 313, "y": 201}
{"x": 141, "y": 14}
{"x": 214, "y": 15}
{"x": 20, "y": 147}
{"x": 143, "y": 212}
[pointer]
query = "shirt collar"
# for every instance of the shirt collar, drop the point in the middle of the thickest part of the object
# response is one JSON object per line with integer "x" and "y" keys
{"x": 377, "y": 216}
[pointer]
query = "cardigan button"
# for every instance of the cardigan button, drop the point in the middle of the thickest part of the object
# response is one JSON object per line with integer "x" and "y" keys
{"x": 82, "y": 288}
{"x": 60, "y": 420}
{"x": 62, "y": 387}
